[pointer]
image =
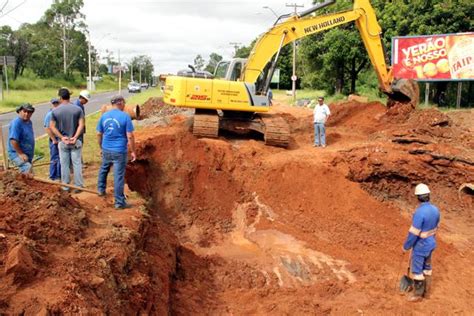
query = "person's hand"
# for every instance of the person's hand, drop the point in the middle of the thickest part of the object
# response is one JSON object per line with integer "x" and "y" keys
{"x": 72, "y": 140}
{"x": 134, "y": 156}
{"x": 65, "y": 140}
{"x": 55, "y": 141}
{"x": 23, "y": 157}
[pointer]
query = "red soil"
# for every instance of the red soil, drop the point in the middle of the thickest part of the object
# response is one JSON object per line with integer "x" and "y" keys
{"x": 235, "y": 227}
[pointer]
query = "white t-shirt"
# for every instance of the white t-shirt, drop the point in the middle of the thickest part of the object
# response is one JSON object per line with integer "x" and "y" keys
{"x": 321, "y": 113}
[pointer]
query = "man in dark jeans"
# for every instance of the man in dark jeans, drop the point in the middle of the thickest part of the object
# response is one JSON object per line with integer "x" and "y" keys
{"x": 54, "y": 164}
{"x": 114, "y": 132}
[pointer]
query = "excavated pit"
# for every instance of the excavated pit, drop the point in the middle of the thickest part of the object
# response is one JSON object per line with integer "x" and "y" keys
{"x": 232, "y": 226}
{"x": 308, "y": 230}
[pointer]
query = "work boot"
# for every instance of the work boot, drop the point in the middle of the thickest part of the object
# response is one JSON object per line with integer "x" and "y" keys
{"x": 417, "y": 294}
{"x": 427, "y": 286}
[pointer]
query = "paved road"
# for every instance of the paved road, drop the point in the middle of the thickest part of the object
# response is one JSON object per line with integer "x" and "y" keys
{"x": 97, "y": 100}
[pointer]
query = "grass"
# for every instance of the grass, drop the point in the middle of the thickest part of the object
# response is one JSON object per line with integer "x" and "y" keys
{"x": 34, "y": 90}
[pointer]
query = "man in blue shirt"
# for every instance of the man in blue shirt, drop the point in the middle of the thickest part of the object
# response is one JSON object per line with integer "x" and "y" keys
{"x": 421, "y": 239}
{"x": 21, "y": 139}
{"x": 54, "y": 163}
{"x": 114, "y": 132}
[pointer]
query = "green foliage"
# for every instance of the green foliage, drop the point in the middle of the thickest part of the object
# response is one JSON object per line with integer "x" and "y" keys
{"x": 334, "y": 59}
{"x": 142, "y": 68}
{"x": 214, "y": 59}
{"x": 199, "y": 62}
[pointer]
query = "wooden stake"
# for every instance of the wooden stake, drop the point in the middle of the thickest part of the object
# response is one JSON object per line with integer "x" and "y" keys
{"x": 64, "y": 185}
{"x": 4, "y": 152}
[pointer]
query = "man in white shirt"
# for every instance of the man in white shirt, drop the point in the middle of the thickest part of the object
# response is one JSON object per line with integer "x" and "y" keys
{"x": 321, "y": 114}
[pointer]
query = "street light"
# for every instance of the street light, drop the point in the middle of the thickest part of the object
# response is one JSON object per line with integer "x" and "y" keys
{"x": 267, "y": 7}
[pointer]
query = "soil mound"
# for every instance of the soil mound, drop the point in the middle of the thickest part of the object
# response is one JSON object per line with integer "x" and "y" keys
{"x": 156, "y": 107}
{"x": 59, "y": 254}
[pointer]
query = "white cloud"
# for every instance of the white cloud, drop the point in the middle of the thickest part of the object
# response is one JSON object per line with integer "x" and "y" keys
{"x": 171, "y": 32}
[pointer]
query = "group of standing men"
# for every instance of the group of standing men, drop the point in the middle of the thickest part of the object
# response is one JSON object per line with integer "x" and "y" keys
{"x": 65, "y": 126}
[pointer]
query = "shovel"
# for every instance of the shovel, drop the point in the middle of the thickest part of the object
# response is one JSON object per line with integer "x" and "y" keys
{"x": 406, "y": 283}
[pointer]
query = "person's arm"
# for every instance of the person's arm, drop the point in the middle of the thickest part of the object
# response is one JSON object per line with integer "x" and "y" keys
{"x": 80, "y": 128}
{"x": 328, "y": 113}
{"x": 16, "y": 145}
{"x": 99, "y": 139}
{"x": 131, "y": 143}
{"x": 52, "y": 126}
{"x": 51, "y": 135}
{"x": 414, "y": 231}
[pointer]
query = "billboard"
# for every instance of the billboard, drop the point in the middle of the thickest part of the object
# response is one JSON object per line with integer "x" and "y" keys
{"x": 434, "y": 57}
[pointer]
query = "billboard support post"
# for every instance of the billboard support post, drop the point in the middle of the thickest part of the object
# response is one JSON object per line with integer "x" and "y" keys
{"x": 427, "y": 93}
{"x": 458, "y": 97}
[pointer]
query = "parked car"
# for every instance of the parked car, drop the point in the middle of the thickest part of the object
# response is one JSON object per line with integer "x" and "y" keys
{"x": 144, "y": 85}
{"x": 134, "y": 87}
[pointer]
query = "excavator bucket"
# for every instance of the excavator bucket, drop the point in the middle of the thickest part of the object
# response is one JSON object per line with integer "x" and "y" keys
{"x": 404, "y": 91}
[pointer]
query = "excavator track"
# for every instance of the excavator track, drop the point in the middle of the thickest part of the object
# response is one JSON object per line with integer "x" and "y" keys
{"x": 276, "y": 131}
{"x": 206, "y": 125}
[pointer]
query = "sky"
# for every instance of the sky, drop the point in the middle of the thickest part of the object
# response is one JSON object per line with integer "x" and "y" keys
{"x": 171, "y": 32}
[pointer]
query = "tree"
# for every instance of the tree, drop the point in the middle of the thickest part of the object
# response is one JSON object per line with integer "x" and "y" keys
{"x": 214, "y": 59}
{"x": 65, "y": 15}
{"x": 142, "y": 68}
{"x": 199, "y": 62}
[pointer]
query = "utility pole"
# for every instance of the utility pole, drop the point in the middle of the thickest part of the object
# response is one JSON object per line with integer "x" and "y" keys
{"x": 140, "y": 69}
{"x": 89, "y": 81}
{"x": 236, "y": 46}
{"x": 293, "y": 77}
{"x": 120, "y": 74}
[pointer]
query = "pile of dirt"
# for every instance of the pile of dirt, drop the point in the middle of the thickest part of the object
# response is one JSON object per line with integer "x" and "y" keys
{"x": 60, "y": 254}
{"x": 155, "y": 107}
{"x": 305, "y": 230}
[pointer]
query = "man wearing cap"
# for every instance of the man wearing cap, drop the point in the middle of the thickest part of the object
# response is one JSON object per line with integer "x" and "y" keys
{"x": 21, "y": 139}
{"x": 421, "y": 239}
{"x": 320, "y": 114}
{"x": 84, "y": 97}
{"x": 54, "y": 163}
{"x": 114, "y": 133}
{"x": 67, "y": 123}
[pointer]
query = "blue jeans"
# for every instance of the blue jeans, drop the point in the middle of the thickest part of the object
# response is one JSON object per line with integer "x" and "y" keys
{"x": 319, "y": 132}
{"x": 54, "y": 163}
{"x": 25, "y": 167}
{"x": 68, "y": 154}
{"x": 119, "y": 161}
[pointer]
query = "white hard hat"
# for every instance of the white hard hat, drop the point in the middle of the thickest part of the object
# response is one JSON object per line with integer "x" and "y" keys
{"x": 85, "y": 94}
{"x": 421, "y": 189}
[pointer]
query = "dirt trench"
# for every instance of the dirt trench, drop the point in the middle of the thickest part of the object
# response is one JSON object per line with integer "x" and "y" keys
{"x": 231, "y": 226}
{"x": 310, "y": 230}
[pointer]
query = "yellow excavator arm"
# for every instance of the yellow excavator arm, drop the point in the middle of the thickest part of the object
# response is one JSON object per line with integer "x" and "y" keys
{"x": 300, "y": 26}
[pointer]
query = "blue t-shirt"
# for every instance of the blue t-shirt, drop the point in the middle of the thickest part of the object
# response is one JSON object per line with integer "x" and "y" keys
{"x": 47, "y": 118}
{"x": 114, "y": 126}
{"x": 22, "y": 132}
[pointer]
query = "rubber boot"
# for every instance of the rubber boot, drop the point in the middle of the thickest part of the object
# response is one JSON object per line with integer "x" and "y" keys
{"x": 427, "y": 286}
{"x": 417, "y": 294}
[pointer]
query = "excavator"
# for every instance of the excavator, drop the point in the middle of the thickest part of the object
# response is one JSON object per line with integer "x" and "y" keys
{"x": 235, "y": 97}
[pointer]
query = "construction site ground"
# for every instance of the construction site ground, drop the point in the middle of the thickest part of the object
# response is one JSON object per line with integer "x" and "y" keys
{"x": 229, "y": 226}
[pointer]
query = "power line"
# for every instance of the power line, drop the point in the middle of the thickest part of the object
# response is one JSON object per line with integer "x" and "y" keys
{"x": 24, "y": 1}
{"x": 6, "y": 2}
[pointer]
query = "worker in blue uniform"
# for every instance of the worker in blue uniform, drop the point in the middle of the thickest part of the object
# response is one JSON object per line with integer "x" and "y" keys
{"x": 421, "y": 239}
